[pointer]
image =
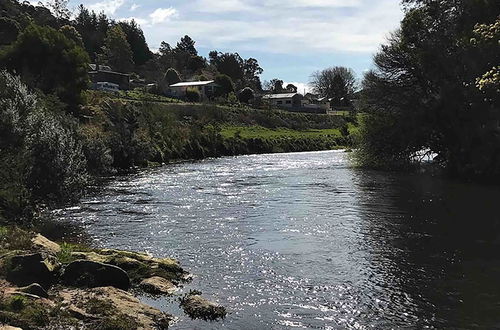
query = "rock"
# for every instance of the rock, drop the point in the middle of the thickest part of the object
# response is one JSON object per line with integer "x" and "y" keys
{"x": 108, "y": 303}
{"x": 43, "y": 244}
{"x": 138, "y": 265}
{"x": 30, "y": 268}
{"x": 34, "y": 289}
{"x": 91, "y": 274}
{"x": 8, "y": 327}
{"x": 198, "y": 307}
{"x": 158, "y": 285}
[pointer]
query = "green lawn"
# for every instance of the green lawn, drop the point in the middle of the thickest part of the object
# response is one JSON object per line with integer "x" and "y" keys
{"x": 266, "y": 133}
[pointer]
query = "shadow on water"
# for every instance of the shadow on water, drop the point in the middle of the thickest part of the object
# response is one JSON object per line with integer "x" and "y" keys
{"x": 434, "y": 245}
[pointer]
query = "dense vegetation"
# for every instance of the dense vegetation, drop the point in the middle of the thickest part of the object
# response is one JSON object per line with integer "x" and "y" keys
{"x": 435, "y": 90}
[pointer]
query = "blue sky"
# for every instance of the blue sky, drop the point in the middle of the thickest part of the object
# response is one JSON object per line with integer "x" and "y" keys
{"x": 291, "y": 39}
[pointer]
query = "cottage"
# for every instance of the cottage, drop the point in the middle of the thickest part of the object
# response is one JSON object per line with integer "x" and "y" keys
{"x": 284, "y": 100}
{"x": 206, "y": 88}
{"x": 104, "y": 74}
{"x": 314, "y": 102}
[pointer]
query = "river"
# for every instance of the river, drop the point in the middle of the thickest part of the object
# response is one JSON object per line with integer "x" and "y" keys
{"x": 305, "y": 240}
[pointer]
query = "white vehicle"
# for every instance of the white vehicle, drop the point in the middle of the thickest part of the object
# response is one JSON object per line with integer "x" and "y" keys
{"x": 107, "y": 86}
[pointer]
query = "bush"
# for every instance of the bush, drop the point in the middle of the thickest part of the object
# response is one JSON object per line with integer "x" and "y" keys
{"x": 246, "y": 94}
{"x": 193, "y": 95}
{"x": 225, "y": 83}
{"x": 56, "y": 164}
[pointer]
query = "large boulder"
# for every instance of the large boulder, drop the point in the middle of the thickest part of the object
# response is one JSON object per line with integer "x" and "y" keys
{"x": 91, "y": 274}
{"x": 26, "y": 269}
{"x": 198, "y": 307}
{"x": 158, "y": 285}
{"x": 43, "y": 244}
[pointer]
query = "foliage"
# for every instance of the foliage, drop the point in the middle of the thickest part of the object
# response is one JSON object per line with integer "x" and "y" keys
{"x": 60, "y": 8}
{"x": 291, "y": 88}
{"x": 171, "y": 77}
{"x": 275, "y": 86}
{"x": 225, "y": 85}
{"x": 56, "y": 170}
{"x": 9, "y": 30}
{"x": 337, "y": 83}
{"x": 243, "y": 72}
{"x": 72, "y": 34}
{"x": 428, "y": 94}
{"x": 47, "y": 60}
{"x": 116, "y": 51}
{"x": 246, "y": 94}
{"x": 135, "y": 37}
{"x": 193, "y": 95}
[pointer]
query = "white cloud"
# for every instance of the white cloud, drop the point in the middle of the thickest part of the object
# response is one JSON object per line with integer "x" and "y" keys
{"x": 134, "y": 7}
{"x": 109, "y": 7}
{"x": 138, "y": 20}
{"x": 160, "y": 15}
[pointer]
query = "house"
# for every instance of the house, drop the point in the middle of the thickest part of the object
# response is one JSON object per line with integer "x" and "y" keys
{"x": 104, "y": 74}
{"x": 313, "y": 102}
{"x": 284, "y": 100}
{"x": 206, "y": 88}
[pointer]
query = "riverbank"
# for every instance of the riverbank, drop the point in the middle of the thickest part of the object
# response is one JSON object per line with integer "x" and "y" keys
{"x": 49, "y": 285}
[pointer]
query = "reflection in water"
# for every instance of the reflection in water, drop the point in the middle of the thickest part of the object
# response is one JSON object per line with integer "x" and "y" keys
{"x": 303, "y": 240}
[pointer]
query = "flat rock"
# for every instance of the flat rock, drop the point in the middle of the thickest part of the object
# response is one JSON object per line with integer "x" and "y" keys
{"x": 41, "y": 243}
{"x": 119, "y": 303}
{"x": 91, "y": 274}
{"x": 158, "y": 285}
{"x": 198, "y": 307}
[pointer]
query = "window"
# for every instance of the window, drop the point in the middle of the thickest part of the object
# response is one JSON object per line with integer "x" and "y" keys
{"x": 288, "y": 102}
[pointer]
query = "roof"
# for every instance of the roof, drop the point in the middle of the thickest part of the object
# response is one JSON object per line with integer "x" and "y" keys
{"x": 280, "y": 96}
{"x": 192, "y": 83}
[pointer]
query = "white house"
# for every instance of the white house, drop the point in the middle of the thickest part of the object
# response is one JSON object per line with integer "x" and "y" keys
{"x": 206, "y": 88}
{"x": 284, "y": 100}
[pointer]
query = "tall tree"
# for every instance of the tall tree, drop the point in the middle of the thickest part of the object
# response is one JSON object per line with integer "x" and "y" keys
{"x": 135, "y": 37}
{"x": 186, "y": 45}
{"x": 116, "y": 51}
{"x": 291, "y": 88}
{"x": 337, "y": 83}
{"x": 424, "y": 95}
{"x": 47, "y": 60}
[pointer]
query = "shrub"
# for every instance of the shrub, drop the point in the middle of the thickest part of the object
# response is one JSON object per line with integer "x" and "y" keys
{"x": 193, "y": 95}
{"x": 56, "y": 164}
{"x": 246, "y": 94}
{"x": 225, "y": 83}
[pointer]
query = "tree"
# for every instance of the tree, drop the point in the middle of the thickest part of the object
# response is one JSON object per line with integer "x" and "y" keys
{"x": 72, "y": 34}
{"x": 251, "y": 73}
{"x": 47, "y": 60}
{"x": 93, "y": 29}
{"x": 60, "y": 9}
{"x": 116, "y": 51}
{"x": 9, "y": 30}
{"x": 426, "y": 94}
{"x": 274, "y": 85}
{"x": 225, "y": 83}
{"x": 337, "y": 83}
{"x": 186, "y": 45}
{"x": 135, "y": 37}
{"x": 229, "y": 64}
{"x": 291, "y": 88}
{"x": 246, "y": 94}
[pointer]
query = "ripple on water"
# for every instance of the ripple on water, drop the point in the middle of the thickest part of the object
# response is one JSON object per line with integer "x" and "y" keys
{"x": 305, "y": 241}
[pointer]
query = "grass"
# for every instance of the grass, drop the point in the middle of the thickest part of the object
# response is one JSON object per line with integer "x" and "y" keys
{"x": 266, "y": 133}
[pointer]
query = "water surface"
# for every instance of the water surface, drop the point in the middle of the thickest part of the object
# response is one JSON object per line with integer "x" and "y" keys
{"x": 304, "y": 240}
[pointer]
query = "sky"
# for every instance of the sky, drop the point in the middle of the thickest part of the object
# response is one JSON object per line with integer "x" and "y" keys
{"x": 290, "y": 39}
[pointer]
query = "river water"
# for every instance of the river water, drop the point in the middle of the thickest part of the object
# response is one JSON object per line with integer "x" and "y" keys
{"x": 304, "y": 240}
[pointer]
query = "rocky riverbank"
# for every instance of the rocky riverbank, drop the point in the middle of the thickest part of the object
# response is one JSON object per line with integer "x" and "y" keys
{"x": 47, "y": 285}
